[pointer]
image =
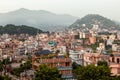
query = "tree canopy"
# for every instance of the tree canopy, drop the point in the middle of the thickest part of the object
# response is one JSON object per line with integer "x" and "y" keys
{"x": 92, "y": 72}
{"x": 13, "y": 29}
{"x": 47, "y": 73}
{"x": 26, "y": 66}
{"x": 91, "y": 19}
{"x": 5, "y": 78}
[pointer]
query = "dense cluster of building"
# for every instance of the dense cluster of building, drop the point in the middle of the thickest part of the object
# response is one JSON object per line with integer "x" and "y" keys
{"x": 60, "y": 49}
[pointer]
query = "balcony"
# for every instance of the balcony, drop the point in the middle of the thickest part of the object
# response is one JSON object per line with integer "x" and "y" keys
{"x": 65, "y": 68}
{"x": 55, "y": 60}
{"x": 67, "y": 76}
{"x": 116, "y": 65}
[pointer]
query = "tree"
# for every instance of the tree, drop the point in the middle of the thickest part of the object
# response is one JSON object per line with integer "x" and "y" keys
{"x": 47, "y": 73}
{"x": 94, "y": 46}
{"x": 92, "y": 72}
{"x": 1, "y": 78}
{"x": 1, "y": 66}
{"x": 75, "y": 65}
{"x": 102, "y": 63}
{"x": 5, "y": 78}
{"x": 23, "y": 67}
{"x": 6, "y": 61}
{"x": 14, "y": 29}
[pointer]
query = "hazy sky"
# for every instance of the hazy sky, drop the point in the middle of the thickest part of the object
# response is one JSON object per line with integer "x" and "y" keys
{"x": 108, "y": 8}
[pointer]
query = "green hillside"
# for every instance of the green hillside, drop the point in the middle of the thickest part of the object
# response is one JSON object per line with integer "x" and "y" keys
{"x": 13, "y": 29}
{"x": 91, "y": 19}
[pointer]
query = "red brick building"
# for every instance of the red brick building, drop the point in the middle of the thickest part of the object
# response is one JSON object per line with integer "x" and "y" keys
{"x": 63, "y": 64}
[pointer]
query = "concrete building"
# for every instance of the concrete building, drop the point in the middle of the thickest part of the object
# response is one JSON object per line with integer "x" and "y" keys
{"x": 115, "y": 63}
{"x": 102, "y": 46}
{"x": 118, "y": 35}
{"x": 114, "y": 47}
{"x": 92, "y": 40}
{"x": 21, "y": 49}
{"x": 63, "y": 63}
{"x": 76, "y": 56}
{"x": 109, "y": 42}
{"x": 93, "y": 58}
{"x": 112, "y": 37}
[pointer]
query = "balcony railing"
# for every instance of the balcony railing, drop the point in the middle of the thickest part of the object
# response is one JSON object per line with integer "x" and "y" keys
{"x": 55, "y": 60}
{"x": 117, "y": 65}
{"x": 65, "y": 68}
{"x": 67, "y": 76}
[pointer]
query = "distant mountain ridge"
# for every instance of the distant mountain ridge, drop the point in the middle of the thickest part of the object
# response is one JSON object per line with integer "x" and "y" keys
{"x": 91, "y": 19}
{"x": 19, "y": 29}
{"x": 37, "y": 18}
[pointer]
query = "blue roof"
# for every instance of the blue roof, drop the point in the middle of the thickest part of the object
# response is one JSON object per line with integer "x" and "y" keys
{"x": 43, "y": 52}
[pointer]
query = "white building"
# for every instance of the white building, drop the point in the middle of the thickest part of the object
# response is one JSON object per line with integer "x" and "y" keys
{"x": 109, "y": 42}
{"x": 118, "y": 35}
{"x": 114, "y": 47}
{"x": 76, "y": 56}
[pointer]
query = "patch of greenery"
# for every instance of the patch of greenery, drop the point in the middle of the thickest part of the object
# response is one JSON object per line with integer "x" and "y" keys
{"x": 5, "y": 78}
{"x": 93, "y": 19}
{"x": 47, "y": 73}
{"x": 22, "y": 29}
{"x": 22, "y": 68}
{"x": 91, "y": 72}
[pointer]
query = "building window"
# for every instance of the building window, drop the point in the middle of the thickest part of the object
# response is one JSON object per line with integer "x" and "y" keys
{"x": 67, "y": 64}
{"x": 118, "y": 60}
{"x": 80, "y": 56}
{"x": 67, "y": 72}
{"x": 112, "y": 59}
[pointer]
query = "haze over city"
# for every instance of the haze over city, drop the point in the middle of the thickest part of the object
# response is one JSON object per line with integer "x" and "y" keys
{"x": 59, "y": 40}
{"x": 79, "y": 8}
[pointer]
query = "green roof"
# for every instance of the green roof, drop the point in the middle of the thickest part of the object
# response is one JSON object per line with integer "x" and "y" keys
{"x": 52, "y": 43}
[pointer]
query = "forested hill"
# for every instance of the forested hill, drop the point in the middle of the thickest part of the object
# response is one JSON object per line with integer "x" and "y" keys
{"x": 13, "y": 29}
{"x": 91, "y": 19}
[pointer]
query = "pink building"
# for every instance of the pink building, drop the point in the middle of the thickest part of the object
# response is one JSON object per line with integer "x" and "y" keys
{"x": 115, "y": 63}
{"x": 93, "y": 58}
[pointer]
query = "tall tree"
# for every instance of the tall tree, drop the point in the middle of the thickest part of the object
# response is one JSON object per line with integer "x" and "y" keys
{"x": 5, "y": 78}
{"x": 47, "y": 73}
{"x": 102, "y": 63}
{"x": 92, "y": 72}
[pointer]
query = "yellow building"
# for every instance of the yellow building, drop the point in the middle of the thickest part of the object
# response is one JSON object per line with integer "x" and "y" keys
{"x": 92, "y": 40}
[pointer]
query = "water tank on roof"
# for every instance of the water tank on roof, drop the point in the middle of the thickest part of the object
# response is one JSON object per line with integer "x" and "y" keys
{"x": 52, "y": 43}
{"x": 60, "y": 55}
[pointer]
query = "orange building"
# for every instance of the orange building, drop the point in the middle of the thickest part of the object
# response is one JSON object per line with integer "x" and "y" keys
{"x": 63, "y": 64}
{"x": 92, "y": 40}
